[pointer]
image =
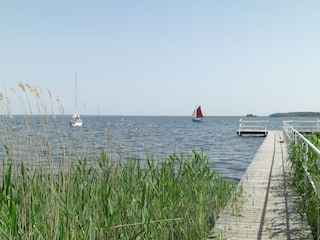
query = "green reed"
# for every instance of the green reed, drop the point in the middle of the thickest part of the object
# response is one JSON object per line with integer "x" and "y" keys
{"x": 177, "y": 197}
{"x": 301, "y": 183}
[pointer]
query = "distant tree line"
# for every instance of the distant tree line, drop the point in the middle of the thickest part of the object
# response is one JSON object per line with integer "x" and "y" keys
{"x": 296, "y": 114}
{"x": 251, "y": 115}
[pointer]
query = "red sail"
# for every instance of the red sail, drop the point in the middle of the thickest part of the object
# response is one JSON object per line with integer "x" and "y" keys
{"x": 199, "y": 112}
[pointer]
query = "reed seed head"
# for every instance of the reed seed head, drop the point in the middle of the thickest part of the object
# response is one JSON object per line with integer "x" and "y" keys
{"x": 34, "y": 91}
{"x": 21, "y": 85}
{"x": 49, "y": 92}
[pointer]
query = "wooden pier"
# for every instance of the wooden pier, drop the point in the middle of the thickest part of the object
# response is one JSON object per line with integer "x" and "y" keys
{"x": 266, "y": 207}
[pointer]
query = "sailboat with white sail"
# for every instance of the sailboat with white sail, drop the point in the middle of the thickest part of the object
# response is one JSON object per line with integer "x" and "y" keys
{"x": 76, "y": 120}
{"x": 197, "y": 115}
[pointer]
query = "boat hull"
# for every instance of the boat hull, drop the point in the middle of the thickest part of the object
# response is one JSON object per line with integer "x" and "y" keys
{"x": 76, "y": 124}
{"x": 198, "y": 120}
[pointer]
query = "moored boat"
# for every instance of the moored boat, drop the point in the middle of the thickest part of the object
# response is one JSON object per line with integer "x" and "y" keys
{"x": 76, "y": 120}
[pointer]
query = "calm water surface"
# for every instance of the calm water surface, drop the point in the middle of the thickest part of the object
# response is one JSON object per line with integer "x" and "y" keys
{"x": 127, "y": 137}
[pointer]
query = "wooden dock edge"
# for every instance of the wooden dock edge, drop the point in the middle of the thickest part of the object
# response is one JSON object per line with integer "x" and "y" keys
{"x": 253, "y": 132}
{"x": 265, "y": 206}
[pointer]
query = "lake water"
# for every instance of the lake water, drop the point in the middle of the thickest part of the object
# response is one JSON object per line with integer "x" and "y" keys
{"x": 36, "y": 138}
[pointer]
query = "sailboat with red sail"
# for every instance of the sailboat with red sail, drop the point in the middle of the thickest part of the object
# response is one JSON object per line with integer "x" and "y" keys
{"x": 197, "y": 115}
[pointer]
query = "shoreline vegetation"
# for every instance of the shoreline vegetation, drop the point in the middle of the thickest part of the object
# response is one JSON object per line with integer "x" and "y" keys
{"x": 296, "y": 114}
{"x": 73, "y": 197}
{"x": 177, "y": 198}
{"x": 301, "y": 183}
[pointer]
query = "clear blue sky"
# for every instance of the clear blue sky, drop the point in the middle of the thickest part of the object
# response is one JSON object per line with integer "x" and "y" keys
{"x": 165, "y": 57}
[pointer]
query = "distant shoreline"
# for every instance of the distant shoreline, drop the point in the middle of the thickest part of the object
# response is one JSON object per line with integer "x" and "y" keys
{"x": 296, "y": 114}
{"x": 289, "y": 114}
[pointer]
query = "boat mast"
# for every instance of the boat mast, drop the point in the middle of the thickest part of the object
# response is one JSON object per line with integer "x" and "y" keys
{"x": 76, "y": 93}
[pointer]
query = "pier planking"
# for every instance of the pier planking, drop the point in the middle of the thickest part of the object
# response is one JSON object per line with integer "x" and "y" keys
{"x": 267, "y": 208}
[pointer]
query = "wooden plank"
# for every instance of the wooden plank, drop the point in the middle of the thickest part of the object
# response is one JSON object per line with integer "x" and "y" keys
{"x": 267, "y": 207}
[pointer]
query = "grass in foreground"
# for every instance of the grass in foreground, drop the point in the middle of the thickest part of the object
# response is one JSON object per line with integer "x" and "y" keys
{"x": 178, "y": 198}
{"x": 301, "y": 183}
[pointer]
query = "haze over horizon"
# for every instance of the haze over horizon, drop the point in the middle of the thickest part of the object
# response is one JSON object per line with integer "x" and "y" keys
{"x": 163, "y": 58}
